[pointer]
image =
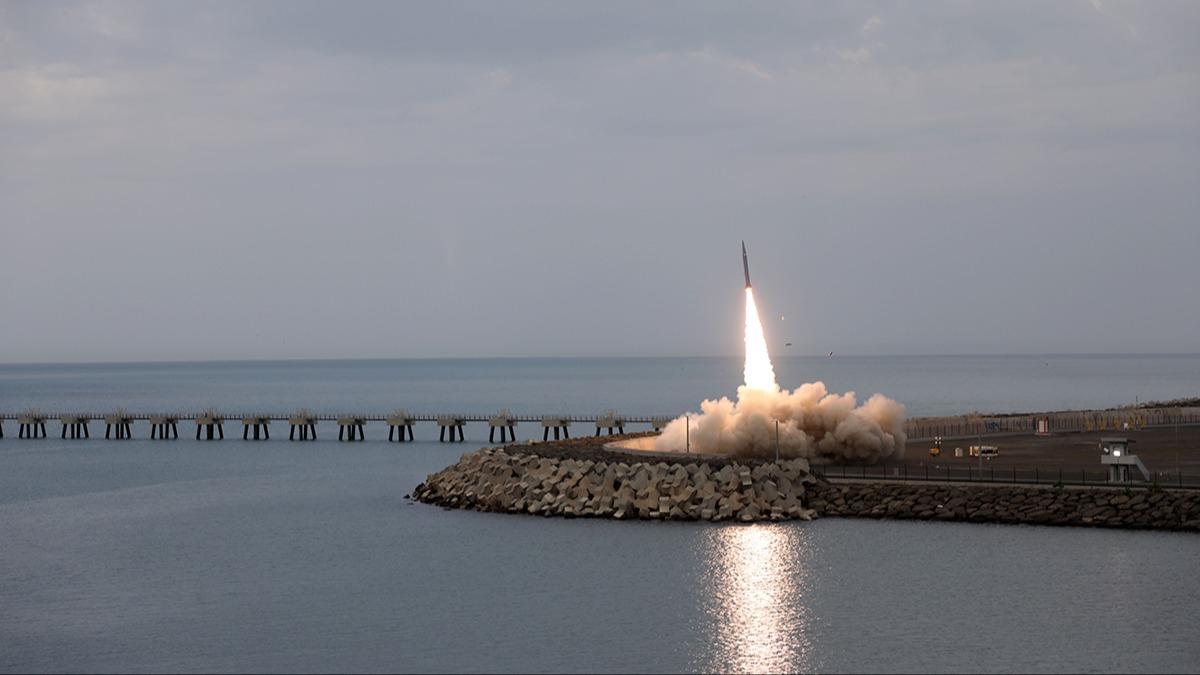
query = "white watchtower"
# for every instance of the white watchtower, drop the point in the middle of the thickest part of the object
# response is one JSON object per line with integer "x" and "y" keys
{"x": 1120, "y": 460}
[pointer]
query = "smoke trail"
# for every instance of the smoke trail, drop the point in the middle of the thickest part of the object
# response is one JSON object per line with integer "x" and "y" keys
{"x": 807, "y": 422}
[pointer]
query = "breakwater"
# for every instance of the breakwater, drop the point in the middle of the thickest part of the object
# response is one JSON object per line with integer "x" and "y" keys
{"x": 1133, "y": 508}
{"x": 589, "y": 483}
{"x": 580, "y": 478}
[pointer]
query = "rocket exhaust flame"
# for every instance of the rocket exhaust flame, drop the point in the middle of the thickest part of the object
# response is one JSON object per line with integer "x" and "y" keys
{"x": 811, "y": 422}
{"x": 758, "y": 371}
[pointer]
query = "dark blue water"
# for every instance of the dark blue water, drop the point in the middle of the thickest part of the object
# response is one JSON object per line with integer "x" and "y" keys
{"x": 275, "y": 556}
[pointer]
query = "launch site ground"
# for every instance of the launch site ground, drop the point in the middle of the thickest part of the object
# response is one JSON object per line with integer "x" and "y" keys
{"x": 1160, "y": 449}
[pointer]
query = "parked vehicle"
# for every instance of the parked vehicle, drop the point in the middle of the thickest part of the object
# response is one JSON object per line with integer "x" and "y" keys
{"x": 983, "y": 450}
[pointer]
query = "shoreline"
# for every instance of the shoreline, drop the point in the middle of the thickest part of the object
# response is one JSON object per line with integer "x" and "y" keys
{"x": 1113, "y": 507}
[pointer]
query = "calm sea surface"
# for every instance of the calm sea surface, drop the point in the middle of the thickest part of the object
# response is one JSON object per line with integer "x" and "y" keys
{"x": 277, "y": 556}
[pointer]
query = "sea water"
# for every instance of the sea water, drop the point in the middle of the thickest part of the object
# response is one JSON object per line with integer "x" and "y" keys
{"x": 146, "y": 555}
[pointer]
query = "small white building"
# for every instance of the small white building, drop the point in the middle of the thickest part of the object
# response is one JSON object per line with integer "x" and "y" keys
{"x": 1120, "y": 460}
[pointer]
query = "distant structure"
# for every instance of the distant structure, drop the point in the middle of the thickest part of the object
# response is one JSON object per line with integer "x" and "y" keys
{"x": 1041, "y": 427}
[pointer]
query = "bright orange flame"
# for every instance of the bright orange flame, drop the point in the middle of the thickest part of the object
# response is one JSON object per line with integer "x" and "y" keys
{"x": 759, "y": 372}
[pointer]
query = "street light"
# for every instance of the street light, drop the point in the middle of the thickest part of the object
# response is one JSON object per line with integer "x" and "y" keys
{"x": 776, "y": 441}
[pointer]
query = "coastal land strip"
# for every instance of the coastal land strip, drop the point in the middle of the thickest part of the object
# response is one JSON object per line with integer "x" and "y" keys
{"x": 581, "y": 478}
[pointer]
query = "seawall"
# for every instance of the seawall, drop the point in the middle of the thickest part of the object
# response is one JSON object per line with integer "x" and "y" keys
{"x": 1133, "y": 508}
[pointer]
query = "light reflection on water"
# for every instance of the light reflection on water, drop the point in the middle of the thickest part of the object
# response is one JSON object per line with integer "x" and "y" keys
{"x": 756, "y": 610}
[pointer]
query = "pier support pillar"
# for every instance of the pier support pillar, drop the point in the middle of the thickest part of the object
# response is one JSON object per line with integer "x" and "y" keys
{"x": 507, "y": 426}
{"x": 400, "y": 423}
{"x": 611, "y": 420}
{"x": 454, "y": 424}
{"x": 660, "y": 423}
{"x": 556, "y": 423}
{"x": 260, "y": 425}
{"x": 508, "y": 433}
{"x": 163, "y": 428}
{"x": 397, "y": 432}
{"x": 351, "y": 429}
{"x": 119, "y": 423}
{"x": 209, "y": 423}
{"x": 31, "y": 426}
{"x": 78, "y": 426}
{"x": 306, "y": 424}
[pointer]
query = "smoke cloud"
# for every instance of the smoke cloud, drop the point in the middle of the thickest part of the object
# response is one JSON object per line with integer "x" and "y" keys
{"x": 813, "y": 423}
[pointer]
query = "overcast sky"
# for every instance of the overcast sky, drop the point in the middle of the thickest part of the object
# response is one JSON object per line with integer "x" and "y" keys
{"x": 290, "y": 180}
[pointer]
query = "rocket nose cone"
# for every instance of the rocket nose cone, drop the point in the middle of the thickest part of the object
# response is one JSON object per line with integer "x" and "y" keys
{"x": 745, "y": 265}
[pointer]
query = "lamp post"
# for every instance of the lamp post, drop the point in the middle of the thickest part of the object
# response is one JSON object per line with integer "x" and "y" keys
{"x": 776, "y": 441}
{"x": 687, "y": 434}
{"x": 979, "y": 449}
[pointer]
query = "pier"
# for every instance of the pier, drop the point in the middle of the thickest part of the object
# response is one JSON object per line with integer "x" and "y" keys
{"x": 210, "y": 424}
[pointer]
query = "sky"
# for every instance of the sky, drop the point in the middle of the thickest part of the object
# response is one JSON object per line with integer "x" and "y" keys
{"x": 208, "y": 180}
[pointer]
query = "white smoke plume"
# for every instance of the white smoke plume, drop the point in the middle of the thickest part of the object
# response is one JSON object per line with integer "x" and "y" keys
{"x": 812, "y": 422}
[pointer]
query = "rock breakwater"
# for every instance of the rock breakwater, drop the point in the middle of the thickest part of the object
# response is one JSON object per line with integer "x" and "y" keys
{"x": 512, "y": 481}
{"x": 1133, "y": 508}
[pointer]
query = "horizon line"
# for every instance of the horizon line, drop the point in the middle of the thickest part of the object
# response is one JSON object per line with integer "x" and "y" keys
{"x": 336, "y": 359}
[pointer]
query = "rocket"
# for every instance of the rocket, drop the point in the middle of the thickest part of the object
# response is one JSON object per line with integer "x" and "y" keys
{"x": 745, "y": 264}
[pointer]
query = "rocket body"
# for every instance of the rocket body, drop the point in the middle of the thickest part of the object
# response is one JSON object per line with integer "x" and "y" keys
{"x": 745, "y": 264}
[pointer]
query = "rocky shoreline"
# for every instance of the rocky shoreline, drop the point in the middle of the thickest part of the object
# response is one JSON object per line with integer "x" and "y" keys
{"x": 572, "y": 480}
{"x": 579, "y": 478}
{"x": 1132, "y": 508}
